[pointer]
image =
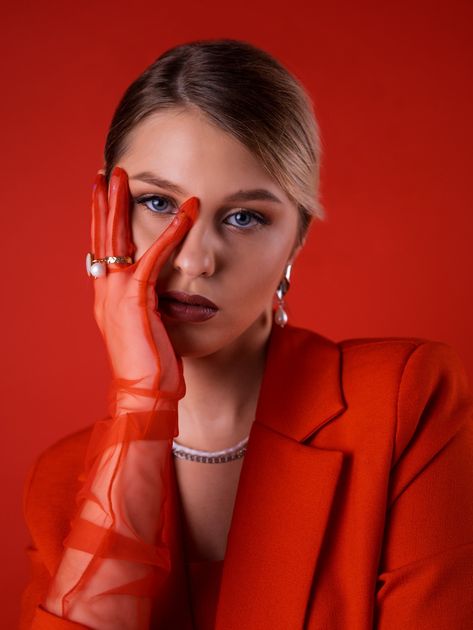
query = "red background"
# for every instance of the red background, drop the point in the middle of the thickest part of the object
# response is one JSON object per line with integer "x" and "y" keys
{"x": 391, "y": 82}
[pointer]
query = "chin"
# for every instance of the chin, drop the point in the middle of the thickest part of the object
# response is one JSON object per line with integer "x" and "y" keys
{"x": 194, "y": 341}
{"x": 198, "y": 341}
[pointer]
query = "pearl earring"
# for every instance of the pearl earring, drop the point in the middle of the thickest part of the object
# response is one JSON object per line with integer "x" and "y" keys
{"x": 280, "y": 315}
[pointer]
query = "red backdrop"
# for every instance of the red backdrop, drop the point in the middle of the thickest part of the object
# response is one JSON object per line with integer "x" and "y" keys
{"x": 391, "y": 82}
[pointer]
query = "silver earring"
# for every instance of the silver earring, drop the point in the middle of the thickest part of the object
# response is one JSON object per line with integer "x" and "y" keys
{"x": 280, "y": 315}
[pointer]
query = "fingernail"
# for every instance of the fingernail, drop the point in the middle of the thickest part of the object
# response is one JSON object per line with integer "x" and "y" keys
{"x": 116, "y": 170}
{"x": 191, "y": 208}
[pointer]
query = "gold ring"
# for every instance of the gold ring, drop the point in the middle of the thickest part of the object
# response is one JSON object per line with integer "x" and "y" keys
{"x": 96, "y": 266}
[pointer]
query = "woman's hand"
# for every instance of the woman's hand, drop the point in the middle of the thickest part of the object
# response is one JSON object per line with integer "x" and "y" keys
{"x": 116, "y": 556}
{"x": 147, "y": 375}
{"x": 126, "y": 303}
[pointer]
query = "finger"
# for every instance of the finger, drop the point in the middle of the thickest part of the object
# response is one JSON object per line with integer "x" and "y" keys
{"x": 118, "y": 239}
{"x": 153, "y": 259}
{"x": 99, "y": 216}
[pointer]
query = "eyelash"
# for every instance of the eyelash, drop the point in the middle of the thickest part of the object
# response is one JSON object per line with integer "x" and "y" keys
{"x": 260, "y": 219}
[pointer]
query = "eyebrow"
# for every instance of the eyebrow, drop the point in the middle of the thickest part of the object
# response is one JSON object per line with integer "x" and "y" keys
{"x": 254, "y": 194}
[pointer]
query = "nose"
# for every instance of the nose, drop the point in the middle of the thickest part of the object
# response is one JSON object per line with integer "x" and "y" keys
{"x": 194, "y": 255}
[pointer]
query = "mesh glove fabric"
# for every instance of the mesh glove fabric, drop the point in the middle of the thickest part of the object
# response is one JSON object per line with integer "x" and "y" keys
{"x": 115, "y": 555}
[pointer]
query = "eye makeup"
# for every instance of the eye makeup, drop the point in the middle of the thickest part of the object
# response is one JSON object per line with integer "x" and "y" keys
{"x": 147, "y": 200}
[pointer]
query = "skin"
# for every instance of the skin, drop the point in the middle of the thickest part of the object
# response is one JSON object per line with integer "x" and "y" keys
{"x": 227, "y": 257}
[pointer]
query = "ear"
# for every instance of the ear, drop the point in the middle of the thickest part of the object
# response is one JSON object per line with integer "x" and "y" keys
{"x": 296, "y": 249}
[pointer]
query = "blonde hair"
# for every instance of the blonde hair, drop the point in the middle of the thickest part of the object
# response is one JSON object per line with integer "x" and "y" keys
{"x": 246, "y": 92}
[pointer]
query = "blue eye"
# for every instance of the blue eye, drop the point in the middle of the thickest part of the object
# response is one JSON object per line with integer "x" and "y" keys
{"x": 244, "y": 223}
{"x": 157, "y": 203}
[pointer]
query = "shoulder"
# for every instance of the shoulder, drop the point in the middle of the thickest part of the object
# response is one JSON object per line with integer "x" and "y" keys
{"x": 399, "y": 357}
{"x": 410, "y": 360}
{"x": 385, "y": 355}
{"x": 59, "y": 463}
{"x": 426, "y": 372}
{"x": 51, "y": 485}
{"x": 422, "y": 383}
{"x": 392, "y": 350}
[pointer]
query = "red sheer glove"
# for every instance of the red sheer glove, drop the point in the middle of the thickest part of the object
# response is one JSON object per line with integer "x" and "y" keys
{"x": 115, "y": 556}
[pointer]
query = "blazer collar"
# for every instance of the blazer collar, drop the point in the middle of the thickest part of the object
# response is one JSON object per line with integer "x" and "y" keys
{"x": 301, "y": 388}
{"x": 286, "y": 487}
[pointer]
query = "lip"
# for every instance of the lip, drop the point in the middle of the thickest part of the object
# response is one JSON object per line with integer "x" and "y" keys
{"x": 188, "y": 298}
{"x": 186, "y": 307}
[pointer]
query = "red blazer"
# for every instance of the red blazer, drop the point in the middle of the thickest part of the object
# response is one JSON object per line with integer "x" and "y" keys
{"x": 354, "y": 507}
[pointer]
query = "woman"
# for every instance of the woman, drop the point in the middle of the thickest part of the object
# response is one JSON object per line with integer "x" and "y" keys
{"x": 343, "y": 498}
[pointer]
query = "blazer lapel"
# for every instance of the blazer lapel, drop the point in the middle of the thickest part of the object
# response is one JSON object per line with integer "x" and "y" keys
{"x": 286, "y": 486}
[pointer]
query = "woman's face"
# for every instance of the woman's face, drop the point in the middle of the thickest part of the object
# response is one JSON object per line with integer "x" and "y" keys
{"x": 236, "y": 252}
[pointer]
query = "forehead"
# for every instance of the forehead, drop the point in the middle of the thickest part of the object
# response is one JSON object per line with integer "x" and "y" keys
{"x": 186, "y": 147}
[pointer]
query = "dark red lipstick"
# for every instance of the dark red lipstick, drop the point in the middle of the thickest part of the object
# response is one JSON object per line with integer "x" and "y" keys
{"x": 189, "y": 307}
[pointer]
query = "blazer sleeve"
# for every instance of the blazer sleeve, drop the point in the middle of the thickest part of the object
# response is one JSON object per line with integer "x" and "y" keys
{"x": 32, "y": 615}
{"x": 425, "y": 578}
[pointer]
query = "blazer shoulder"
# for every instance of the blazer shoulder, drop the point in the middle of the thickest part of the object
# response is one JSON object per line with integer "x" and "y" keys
{"x": 372, "y": 351}
{"x": 426, "y": 379}
{"x": 361, "y": 359}
{"x": 410, "y": 361}
{"x": 382, "y": 343}
{"x": 63, "y": 456}
{"x": 361, "y": 345}
{"x": 431, "y": 354}
{"x": 52, "y": 481}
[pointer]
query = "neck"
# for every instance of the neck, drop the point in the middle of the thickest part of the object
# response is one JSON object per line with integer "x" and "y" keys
{"x": 222, "y": 390}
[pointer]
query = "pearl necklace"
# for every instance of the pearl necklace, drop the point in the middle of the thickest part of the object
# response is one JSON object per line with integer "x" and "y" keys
{"x": 210, "y": 457}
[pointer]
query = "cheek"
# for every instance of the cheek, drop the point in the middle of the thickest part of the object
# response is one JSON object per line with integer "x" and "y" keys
{"x": 255, "y": 277}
